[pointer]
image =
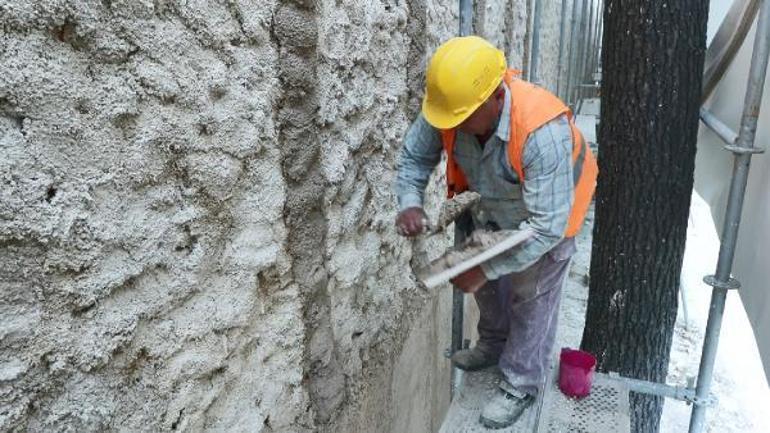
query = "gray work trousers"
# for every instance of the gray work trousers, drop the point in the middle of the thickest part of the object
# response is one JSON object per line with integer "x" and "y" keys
{"x": 518, "y": 316}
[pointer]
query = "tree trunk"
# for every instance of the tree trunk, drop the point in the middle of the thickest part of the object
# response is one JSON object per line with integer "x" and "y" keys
{"x": 652, "y": 58}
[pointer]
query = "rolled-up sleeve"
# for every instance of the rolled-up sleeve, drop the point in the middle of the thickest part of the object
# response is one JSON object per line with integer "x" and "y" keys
{"x": 419, "y": 155}
{"x": 548, "y": 193}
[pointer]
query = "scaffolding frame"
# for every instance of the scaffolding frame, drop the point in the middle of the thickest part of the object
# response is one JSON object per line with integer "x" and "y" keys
{"x": 583, "y": 62}
{"x": 741, "y": 145}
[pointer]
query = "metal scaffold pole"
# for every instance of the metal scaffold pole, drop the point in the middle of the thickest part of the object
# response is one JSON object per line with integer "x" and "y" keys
{"x": 579, "y": 63}
{"x": 458, "y": 300}
{"x": 598, "y": 37}
{"x": 597, "y": 43}
{"x": 593, "y": 63}
{"x": 535, "y": 58}
{"x": 466, "y": 17}
{"x": 572, "y": 53}
{"x": 584, "y": 70}
{"x": 562, "y": 42}
{"x": 743, "y": 149}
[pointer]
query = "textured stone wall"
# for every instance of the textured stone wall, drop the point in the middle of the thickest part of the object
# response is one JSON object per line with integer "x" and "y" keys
{"x": 550, "y": 33}
{"x": 196, "y": 215}
{"x": 504, "y": 23}
{"x": 146, "y": 282}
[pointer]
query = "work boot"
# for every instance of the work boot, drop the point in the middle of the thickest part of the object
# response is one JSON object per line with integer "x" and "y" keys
{"x": 505, "y": 407}
{"x": 473, "y": 359}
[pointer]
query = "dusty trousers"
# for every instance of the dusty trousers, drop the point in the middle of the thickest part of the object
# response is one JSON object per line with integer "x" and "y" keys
{"x": 519, "y": 314}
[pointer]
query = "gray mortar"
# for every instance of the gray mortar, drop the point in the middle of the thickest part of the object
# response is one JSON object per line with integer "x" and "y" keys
{"x": 295, "y": 28}
{"x": 504, "y": 23}
{"x": 196, "y": 216}
{"x": 145, "y": 283}
{"x": 550, "y": 29}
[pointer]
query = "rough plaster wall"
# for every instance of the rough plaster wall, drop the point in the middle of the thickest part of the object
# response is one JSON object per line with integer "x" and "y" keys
{"x": 550, "y": 32}
{"x": 145, "y": 283}
{"x": 417, "y": 389}
{"x": 371, "y": 62}
{"x": 196, "y": 215}
{"x": 504, "y": 23}
{"x": 489, "y": 21}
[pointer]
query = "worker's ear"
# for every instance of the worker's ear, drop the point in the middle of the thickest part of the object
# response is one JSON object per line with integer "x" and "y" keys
{"x": 500, "y": 92}
{"x": 500, "y": 96}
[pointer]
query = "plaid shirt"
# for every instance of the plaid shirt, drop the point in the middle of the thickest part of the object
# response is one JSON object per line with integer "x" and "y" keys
{"x": 547, "y": 192}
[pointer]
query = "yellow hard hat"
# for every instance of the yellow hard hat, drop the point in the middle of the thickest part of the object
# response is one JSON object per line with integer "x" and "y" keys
{"x": 462, "y": 74}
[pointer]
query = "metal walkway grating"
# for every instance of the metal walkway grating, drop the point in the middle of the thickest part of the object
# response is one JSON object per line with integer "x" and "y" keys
{"x": 475, "y": 389}
{"x": 604, "y": 411}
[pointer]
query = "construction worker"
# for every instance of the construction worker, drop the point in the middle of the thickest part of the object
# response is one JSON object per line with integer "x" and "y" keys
{"x": 516, "y": 145}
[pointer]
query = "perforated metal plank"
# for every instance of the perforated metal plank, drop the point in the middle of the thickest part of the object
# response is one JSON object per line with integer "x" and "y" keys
{"x": 474, "y": 391}
{"x": 605, "y": 410}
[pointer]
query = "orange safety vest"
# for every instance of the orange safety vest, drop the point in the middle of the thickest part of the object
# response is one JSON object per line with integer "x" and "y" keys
{"x": 531, "y": 108}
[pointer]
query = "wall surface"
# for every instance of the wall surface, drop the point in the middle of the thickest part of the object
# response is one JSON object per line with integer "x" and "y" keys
{"x": 196, "y": 215}
{"x": 550, "y": 34}
{"x": 506, "y": 24}
{"x": 147, "y": 284}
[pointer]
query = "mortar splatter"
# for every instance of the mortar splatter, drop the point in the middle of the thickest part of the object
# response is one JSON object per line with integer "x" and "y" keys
{"x": 453, "y": 208}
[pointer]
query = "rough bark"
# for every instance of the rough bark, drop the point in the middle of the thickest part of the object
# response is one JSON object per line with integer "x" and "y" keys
{"x": 653, "y": 62}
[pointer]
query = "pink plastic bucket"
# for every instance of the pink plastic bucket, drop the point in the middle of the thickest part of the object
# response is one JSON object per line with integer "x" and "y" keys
{"x": 576, "y": 371}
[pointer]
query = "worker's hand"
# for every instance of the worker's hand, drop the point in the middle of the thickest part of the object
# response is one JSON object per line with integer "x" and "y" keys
{"x": 471, "y": 280}
{"x": 411, "y": 221}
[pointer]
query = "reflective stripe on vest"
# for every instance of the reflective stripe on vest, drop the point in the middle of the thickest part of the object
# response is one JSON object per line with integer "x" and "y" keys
{"x": 534, "y": 108}
{"x": 577, "y": 162}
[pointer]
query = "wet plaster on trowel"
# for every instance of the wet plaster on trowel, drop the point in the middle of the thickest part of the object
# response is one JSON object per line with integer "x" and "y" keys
{"x": 454, "y": 207}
